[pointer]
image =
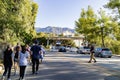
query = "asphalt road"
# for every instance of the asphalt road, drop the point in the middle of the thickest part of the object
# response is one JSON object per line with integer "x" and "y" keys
{"x": 72, "y": 66}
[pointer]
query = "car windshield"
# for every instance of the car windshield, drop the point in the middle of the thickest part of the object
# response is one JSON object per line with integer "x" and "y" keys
{"x": 105, "y": 49}
{"x": 86, "y": 47}
{"x": 98, "y": 49}
{"x": 102, "y": 49}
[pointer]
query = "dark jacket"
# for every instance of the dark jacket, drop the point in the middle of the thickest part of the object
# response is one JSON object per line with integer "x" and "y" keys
{"x": 92, "y": 49}
{"x": 7, "y": 57}
{"x": 35, "y": 51}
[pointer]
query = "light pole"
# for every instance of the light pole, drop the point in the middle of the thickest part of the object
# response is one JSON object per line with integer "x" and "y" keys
{"x": 102, "y": 34}
{"x": 48, "y": 39}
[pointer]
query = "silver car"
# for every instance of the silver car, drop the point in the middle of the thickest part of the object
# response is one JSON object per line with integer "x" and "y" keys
{"x": 103, "y": 52}
{"x": 83, "y": 50}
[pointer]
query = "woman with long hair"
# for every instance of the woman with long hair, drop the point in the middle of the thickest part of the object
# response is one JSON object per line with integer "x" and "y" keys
{"x": 7, "y": 61}
{"x": 16, "y": 55}
{"x": 23, "y": 61}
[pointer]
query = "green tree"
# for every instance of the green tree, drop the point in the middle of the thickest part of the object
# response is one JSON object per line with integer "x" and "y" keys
{"x": 115, "y": 6}
{"x": 106, "y": 28}
{"x": 68, "y": 43}
{"x": 17, "y": 18}
{"x": 42, "y": 34}
{"x": 97, "y": 28}
{"x": 86, "y": 24}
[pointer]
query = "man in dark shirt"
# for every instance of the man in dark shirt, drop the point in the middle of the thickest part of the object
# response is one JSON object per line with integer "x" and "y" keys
{"x": 35, "y": 52}
{"x": 92, "y": 54}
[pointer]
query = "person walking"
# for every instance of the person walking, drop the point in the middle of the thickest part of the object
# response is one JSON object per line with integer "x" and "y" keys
{"x": 35, "y": 53}
{"x": 16, "y": 55}
{"x": 23, "y": 62}
{"x": 43, "y": 50}
{"x": 42, "y": 54}
{"x": 18, "y": 45}
{"x": 92, "y": 54}
{"x": 7, "y": 61}
{"x": 28, "y": 49}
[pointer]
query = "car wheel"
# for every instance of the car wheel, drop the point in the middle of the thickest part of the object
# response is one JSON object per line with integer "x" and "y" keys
{"x": 101, "y": 56}
{"x": 97, "y": 55}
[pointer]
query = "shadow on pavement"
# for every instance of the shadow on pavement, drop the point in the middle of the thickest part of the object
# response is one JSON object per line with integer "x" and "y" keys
{"x": 112, "y": 78}
{"x": 65, "y": 71}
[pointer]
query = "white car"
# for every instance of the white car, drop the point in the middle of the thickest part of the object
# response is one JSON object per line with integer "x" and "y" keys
{"x": 83, "y": 50}
{"x": 73, "y": 49}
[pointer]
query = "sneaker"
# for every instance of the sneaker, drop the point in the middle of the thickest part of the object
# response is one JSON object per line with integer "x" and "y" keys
{"x": 36, "y": 72}
{"x": 33, "y": 73}
{"x": 89, "y": 61}
{"x": 8, "y": 79}
{"x": 19, "y": 79}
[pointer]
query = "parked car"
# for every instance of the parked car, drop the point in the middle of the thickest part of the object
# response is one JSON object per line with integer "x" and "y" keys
{"x": 67, "y": 48}
{"x": 62, "y": 49}
{"x": 83, "y": 50}
{"x": 73, "y": 49}
{"x": 103, "y": 52}
{"x": 53, "y": 49}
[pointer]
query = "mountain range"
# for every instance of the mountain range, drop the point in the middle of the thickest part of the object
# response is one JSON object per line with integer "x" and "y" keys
{"x": 56, "y": 30}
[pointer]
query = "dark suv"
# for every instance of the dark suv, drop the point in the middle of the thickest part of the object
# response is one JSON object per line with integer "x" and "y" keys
{"x": 62, "y": 49}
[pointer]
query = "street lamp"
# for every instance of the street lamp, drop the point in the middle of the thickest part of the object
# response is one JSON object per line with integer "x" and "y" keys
{"x": 102, "y": 34}
{"x": 48, "y": 39}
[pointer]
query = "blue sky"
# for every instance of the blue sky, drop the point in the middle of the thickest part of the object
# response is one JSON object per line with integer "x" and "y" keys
{"x": 63, "y": 13}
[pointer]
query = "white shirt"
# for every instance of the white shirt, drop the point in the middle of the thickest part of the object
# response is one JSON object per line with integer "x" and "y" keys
{"x": 23, "y": 58}
{"x": 43, "y": 50}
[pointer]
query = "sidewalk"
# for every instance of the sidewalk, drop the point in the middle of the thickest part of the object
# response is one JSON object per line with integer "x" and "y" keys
{"x": 116, "y": 55}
